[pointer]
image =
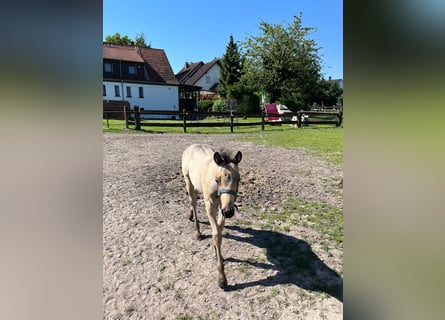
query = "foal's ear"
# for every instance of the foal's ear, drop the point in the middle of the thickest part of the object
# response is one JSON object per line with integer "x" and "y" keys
{"x": 238, "y": 157}
{"x": 217, "y": 158}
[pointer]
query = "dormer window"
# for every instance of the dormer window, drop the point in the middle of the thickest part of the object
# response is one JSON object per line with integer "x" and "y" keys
{"x": 132, "y": 70}
{"x": 108, "y": 67}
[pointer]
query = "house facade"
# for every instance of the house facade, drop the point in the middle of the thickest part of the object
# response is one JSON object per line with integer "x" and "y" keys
{"x": 200, "y": 74}
{"x": 139, "y": 77}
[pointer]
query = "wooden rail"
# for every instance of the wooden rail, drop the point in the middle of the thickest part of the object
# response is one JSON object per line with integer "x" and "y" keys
{"x": 192, "y": 118}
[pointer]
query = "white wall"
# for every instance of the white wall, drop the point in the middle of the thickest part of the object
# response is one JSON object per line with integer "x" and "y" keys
{"x": 213, "y": 73}
{"x": 156, "y": 97}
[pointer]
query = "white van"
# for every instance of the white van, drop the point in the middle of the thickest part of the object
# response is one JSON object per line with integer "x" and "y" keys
{"x": 282, "y": 109}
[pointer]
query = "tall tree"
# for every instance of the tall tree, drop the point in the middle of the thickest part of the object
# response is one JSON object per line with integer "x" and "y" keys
{"x": 231, "y": 68}
{"x": 117, "y": 38}
{"x": 283, "y": 62}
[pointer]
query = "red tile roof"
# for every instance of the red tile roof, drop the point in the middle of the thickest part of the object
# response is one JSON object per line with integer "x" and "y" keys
{"x": 156, "y": 63}
{"x": 158, "y": 66}
{"x": 121, "y": 52}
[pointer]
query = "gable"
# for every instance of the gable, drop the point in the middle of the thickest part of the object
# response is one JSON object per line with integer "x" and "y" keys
{"x": 195, "y": 74}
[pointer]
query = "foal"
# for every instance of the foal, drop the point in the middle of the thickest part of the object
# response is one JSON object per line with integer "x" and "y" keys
{"x": 216, "y": 176}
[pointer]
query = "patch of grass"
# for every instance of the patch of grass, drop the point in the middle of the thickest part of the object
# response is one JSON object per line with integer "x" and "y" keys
{"x": 244, "y": 269}
{"x": 167, "y": 286}
{"x": 274, "y": 292}
{"x": 125, "y": 262}
{"x": 266, "y": 226}
{"x": 129, "y": 310}
{"x": 255, "y": 259}
{"x": 323, "y": 142}
{"x": 184, "y": 316}
{"x": 243, "y": 223}
{"x": 324, "y": 218}
{"x": 178, "y": 295}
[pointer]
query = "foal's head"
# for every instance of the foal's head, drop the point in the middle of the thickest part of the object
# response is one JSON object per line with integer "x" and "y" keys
{"x": 227, "y": 178}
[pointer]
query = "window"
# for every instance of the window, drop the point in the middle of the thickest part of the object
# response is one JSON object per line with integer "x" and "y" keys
{"x": 129, "y": 92}
{"x": 208, "y": 79}
{"x": 104, "y": 90}
{"x": 132, "y": 70}
{"x": 116, "y": 91}
{"x": 108, "y": 67}
{"x": 141, "y": 92}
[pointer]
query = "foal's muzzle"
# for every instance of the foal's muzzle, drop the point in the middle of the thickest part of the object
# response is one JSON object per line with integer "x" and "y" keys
{"x": 228, "y": 213}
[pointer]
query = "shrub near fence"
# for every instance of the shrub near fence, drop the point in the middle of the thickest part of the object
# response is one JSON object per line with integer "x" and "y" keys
{"x": 222, "y": 119}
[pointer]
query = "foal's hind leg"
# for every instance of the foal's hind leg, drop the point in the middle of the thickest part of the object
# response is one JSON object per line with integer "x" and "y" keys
{"x": 191, "y": 192}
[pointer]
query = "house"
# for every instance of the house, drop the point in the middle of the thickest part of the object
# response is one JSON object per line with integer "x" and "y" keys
{"x": 200, "y": 74}
{"x": 138, "y": 76}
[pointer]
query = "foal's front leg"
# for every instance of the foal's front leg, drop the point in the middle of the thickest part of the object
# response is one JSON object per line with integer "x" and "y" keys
{"x": 212, "y": 213}
{"x": 192, "y": 199}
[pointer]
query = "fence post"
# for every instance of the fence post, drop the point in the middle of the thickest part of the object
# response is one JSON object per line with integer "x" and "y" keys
{"x": 262, "y": 120}
{"x": 137, "y": 118}
{"x": 126, "y": 111}
{"x": 231, "y": 121}
{"x": 340, "y": 118}
{"x": 184, "y": 121}
{"x": 299, "y": 119}
{"x": 108, "y": 125}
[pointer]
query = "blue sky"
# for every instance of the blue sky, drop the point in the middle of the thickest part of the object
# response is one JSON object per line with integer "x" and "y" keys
{"x": 198, "y": 30}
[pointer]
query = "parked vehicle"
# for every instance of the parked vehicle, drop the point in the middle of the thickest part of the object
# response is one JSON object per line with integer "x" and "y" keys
{"x": 272, "y": 110}
{"x": 282, "y": 109}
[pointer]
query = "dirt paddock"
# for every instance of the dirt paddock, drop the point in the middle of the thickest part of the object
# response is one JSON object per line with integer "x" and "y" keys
{"x": 153, "y": 266}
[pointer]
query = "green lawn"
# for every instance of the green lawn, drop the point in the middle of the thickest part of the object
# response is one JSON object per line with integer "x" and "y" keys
{"x": 323, "y": 141}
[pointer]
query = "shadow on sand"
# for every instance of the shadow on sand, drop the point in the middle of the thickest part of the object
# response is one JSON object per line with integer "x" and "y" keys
{"x": 294, "y": 260}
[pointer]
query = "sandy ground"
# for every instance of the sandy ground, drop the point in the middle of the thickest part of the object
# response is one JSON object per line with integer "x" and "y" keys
{"x": 154, "y": 268}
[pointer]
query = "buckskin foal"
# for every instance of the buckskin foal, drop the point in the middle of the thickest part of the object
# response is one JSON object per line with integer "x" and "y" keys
{"x": 215, "y": 175}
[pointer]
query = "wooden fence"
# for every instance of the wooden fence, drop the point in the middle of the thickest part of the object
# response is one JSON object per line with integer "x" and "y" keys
{"x": 191, "y": 119}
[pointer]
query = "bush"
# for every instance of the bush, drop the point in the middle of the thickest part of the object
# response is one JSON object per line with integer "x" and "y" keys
{"x": 205, "y": 105}
{"x": 219, "y": 105}
{"x": 249, "y": 104}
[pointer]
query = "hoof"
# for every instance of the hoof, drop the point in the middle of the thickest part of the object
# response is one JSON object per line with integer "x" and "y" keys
{"x": 222, "y": 283}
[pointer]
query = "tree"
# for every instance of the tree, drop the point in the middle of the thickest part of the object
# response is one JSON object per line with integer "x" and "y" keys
{"x": 283, "y": 62}
{"x": 140, "y": 41}
{"x": 231, "y": 68}
{"x": 229, "y": 81}
{"x": 118, "y": 39}
{"x": 329, "y": 92}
